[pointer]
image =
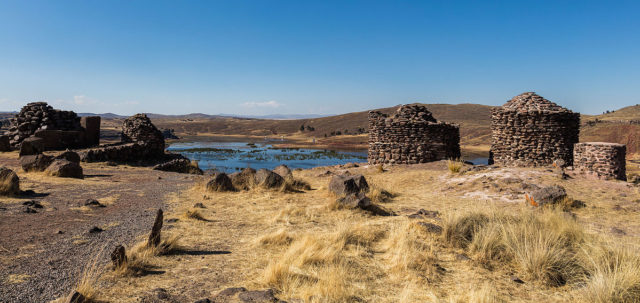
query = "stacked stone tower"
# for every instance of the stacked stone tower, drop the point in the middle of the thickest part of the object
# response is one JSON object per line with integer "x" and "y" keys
{"x": 41, "y": 116}
{"x": 411, "y": 136}
{"x": 601, "y": 159}
{"x": 530, "y": 130}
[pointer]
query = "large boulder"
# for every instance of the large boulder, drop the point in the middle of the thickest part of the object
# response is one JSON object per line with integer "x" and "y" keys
{"x": 35, "y": 162}
{"x": 70, "y": 156}
{"x": 31, "y": 146}
{"x": 5, "y": 144}
{"x": 354, "y": 200}
{"x": 547, "y": 195}
{"x": 245, "y": 179}
{"x": 220, "y": 182}
{"x": 65, "y": 169}
{"x": 348, "y": 184}
{"x": 268, "y": 179}
{"x": 138, "y": 128}
{"x": 9, "y": 182}
{"x": 183, "y": 166}
{"x": 283, "y": 171}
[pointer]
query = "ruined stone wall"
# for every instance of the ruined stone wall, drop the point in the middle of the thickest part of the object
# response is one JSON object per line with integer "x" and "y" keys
{"x": 41, "y": 116}
{"x": 127, "y": 152}
{"x": 603, "y": 160}
{"x": 533, "y": 138}
{"x": 411, "y": 136}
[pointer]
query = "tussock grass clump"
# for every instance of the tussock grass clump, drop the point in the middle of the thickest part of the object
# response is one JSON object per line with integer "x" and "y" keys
{"x": 278, "y": 238}
{"x": 459, "y": 228}
{"x": 324, "y": 268}
{"x": 291, "y": 184}
{"x": 410, "y": 249}
{"x": 455, "y": 165}
{"x": 379, "y": 195}
{"x": 613, "y": 274}
{"x": 194, "y": 214}
{"x": 140, "y": 256}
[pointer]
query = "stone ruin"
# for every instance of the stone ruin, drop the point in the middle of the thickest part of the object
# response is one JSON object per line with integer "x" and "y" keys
{"x": 532, "y": 131}
{"x": 141, "y": 140}
{"x": 600, "y": 159}
{"x": 58, "y": 129}
{"x": 411, "y": 136}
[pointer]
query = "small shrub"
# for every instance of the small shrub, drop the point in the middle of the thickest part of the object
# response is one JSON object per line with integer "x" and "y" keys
{"x": 455, "y": 165}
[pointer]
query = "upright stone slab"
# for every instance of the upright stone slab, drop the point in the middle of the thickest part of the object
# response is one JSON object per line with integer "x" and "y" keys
{"x": 411, "y": 136}
{"x": 532, "y": 131}
{"x": 601, "y": 159}
{"x": 5, "y": 145}
{"x": 91, "y": 126}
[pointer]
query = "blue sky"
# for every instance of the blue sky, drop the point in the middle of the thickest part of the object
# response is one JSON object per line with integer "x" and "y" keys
{"x": 315, "y": 57}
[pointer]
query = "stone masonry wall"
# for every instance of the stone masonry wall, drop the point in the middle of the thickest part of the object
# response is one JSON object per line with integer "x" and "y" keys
{"x": 411, "y": 136}
{"x": 41, "y": 116}
{"x": 603, "y": 160}
{"x": 531, "y": 131}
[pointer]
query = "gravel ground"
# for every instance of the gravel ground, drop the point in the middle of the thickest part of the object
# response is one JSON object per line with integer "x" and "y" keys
{"x": 42, "y": 254}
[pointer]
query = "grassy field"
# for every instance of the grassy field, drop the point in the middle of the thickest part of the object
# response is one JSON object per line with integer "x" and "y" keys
{"x": 492, "y": 248}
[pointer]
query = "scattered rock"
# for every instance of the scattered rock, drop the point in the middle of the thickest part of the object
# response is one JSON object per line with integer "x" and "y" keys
{"x": 199, "y": 205}
{"x": 348, "y": 184}
{"x": 241, "y": 294}
{"x": 245, "y": 179}
{"x": 9, "y": 182}
{"x": 351, "y": 165}
{"x": 32, "y": 203}
{"x": 172, "y": 220}
{"x": 547, "y": 195}
{"x": 462, "y": 257}
{"x": 70, "y": 156}
{"x": 268, "y": 179}
{"x": 31, "y": 146}
{"x": 423, "y": 213}
{"x": 354, "y": 200}
{"x": 93, "y": 202}
{"x": 203, "y": 301}
{"x": 220, "y": 182}
{"x": 283, "y": 171}
{"x": 183, "y": 166}
{"x": 30, "y": 210}
{"x": 65, "y": 169}
{"x": 516, "y": 279}
{"x": 430, "y": 227}
{"x": 77, "y": 297}
{"x": 95, "y": 229}
{"x": 618, "y": 231}
{"x": 326, "y": 173}
{"x": 36, "y": 163}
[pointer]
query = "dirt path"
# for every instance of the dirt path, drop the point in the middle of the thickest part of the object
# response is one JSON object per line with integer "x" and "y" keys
{"x": 42, "y": 254}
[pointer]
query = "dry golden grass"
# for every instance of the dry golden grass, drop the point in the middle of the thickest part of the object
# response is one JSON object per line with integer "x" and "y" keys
{"x": 455, "y": 165}
{"x": 294, "y": 243}
{"x": 379, "y": 195}
{"x": 193, "y": 214}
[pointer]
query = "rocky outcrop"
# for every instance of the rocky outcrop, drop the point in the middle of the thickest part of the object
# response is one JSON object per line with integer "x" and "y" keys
{"x": 70, "y": 156}
{"x": 284, "y": 171}
{"x": 31, "y": 146}
{"x": 41, "y": 116}
{"x": 183, "y": 166}
{"x": 411, "y": 136}
{"x": 65, "y": 169}
{"x": 245, "y": 179}
{"x": 600, "y": 159}
{"x": 36, "y": 163}
{"x": 532, "y": 131}
{"x": 268, "y": 179}
{"x": 9, "y": 182}
{"x": 138, "y": 128}
{"x": 220, "y": 182}
{"x": 348, "y": 184}
{"x": 547, "y": 195}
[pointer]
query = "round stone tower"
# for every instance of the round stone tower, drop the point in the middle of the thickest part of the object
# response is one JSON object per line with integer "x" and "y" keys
{"x": 411, "y": 136}
{"x": 530, "y": 130}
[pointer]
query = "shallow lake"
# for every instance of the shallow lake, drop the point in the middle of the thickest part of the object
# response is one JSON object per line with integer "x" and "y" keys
{"x": 234, "y": 156}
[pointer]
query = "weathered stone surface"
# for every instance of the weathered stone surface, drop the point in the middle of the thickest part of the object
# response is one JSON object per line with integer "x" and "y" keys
{"x": 91, "y": 126}
{"x": 154, "y": 236}
{"x": 9, "y": 182}
{"x": 242, "y": 295}
{"x": 354, "y": 200}
{"x": 5, "y": 145}
{"x": 245, "y": 179}
{"x": 547, "y": 195}
{"x": 119, "y": 153}
{"x": 65, "y": 169}
{"x": 220, "y": 182}
{"x": 138, "y": 128}
{"x": 35, "y": 162}
{"x": 183, "y": 166}
{"x": 348, "y": 184}
{"x": 600, "y": 159}
{"x": 283, "y": 171}
{"x": 70, "y": 156}
{"x": 532, "y": 131}
{"x": 430, "y": 227}
{"x": 31, "y": 146}
{"x": 411, "y": 136}
{"x": 268, "y": 179}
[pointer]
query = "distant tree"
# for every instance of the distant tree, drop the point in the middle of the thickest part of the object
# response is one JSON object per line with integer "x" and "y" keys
{"x": 310, "y": 128}
{"x": 325, "y": 135}
{"x": 302, "y": 127}
{"x": 338, "y": 133}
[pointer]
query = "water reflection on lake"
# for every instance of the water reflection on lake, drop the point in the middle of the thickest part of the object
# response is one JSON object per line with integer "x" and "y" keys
{"x": 233, "y": 156}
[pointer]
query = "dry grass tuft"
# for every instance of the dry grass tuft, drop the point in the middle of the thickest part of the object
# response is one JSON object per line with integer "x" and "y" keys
{"x": 613, "y": 274}
{"x": 278, "y": 238}
{"x": 455, "y": 165}
{"x": 379, "y": 195}
{"x": 140, "y": 257}
{"x": 410, "y": 249}
{"x": 291, "y": 184}
{"x": 194, "y": 214}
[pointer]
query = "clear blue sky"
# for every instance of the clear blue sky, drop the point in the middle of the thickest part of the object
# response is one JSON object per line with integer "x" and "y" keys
{"x": 264, "y": 57}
